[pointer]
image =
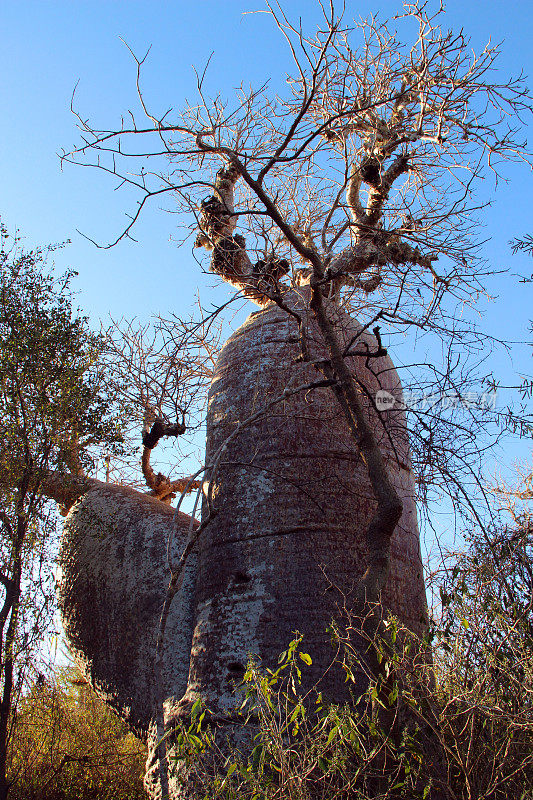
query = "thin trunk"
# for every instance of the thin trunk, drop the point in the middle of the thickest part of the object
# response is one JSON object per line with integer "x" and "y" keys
{"x": 7, "y": 654}
{"x": 7, "y": 676}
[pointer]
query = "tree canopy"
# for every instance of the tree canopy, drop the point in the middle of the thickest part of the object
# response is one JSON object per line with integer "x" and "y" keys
{"x": 54, "y": 410}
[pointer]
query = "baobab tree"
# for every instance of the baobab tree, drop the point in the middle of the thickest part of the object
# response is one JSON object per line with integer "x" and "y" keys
{"x": 373, "y": 160}
{"x": 351, "y": 195}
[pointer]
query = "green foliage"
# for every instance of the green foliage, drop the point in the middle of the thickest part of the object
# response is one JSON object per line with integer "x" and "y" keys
{"x": 305, "y": 747}
{"x": 483, "y": 646}
{"x": 54, "y": 410}
{"x": 68, "y": 745}
{"x": 486, "y": 630}
{"x": 459, "y": 728}
{"x": 53, "y": 405}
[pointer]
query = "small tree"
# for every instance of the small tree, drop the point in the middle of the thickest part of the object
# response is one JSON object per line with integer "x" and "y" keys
{"x": 53, "y": 411}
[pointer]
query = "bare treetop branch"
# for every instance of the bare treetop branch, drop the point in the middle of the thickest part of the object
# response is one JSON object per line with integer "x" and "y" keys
{"x": 366, "y": 165}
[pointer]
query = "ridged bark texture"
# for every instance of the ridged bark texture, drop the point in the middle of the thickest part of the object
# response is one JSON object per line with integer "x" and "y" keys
{"x": 111, "y": 588}
{"x": 286, "y": 549}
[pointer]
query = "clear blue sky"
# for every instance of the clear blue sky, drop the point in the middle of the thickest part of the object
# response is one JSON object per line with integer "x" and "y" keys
{"x": 48, "y": 46}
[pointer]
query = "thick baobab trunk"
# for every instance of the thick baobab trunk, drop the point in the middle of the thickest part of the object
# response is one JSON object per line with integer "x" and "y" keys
{"x": 112, "y": 583}
{"x": 287, "y": 549}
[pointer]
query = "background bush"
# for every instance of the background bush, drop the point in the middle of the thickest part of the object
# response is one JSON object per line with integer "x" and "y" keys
{"x": 68, "y": 745}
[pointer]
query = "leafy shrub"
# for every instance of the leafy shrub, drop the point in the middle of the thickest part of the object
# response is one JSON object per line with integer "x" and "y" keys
{"x": 68, "y": 745}
{"x": 460, "y": 727}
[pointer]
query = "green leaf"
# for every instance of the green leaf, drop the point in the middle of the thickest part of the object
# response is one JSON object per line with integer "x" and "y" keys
{"x": 257, "y": 752}
{"x": 306, "y": 658}
{"x": 195, "y": 710}
{"x": 393, "y": 696}
{"x": 298, "y": 711}
{"x": 333, "y": 732}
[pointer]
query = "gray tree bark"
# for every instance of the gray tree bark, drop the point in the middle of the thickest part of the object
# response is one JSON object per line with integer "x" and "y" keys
{"x": 286, "y": 550}
{"x": 111, "y": 588}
